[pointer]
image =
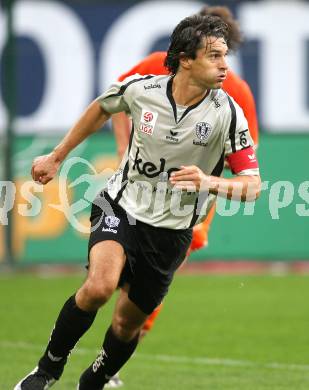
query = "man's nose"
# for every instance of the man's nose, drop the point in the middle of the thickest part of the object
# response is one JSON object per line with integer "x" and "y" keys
{"x": 223, "y": 63}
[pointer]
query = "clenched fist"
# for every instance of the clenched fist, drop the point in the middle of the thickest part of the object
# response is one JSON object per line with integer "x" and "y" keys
{"x": 44, "y": 168}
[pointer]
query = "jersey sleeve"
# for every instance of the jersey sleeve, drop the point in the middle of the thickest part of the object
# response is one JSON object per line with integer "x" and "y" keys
{"x": 239, "y": 147}
{"x": 247, "y": 103}
{"x": 118, "y": 98}
{"x": 242, "y": 94}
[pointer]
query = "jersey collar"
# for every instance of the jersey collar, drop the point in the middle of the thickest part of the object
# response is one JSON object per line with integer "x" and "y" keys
{"x": 169, "y": 93}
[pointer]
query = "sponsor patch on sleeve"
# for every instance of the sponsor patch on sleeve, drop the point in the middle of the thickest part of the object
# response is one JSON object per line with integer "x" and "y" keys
{"x": 242, "y": 160}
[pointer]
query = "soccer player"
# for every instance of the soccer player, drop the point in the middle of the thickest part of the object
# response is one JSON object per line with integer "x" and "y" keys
{"x": 233, "y": 85}
{"x": 184, "y": 128}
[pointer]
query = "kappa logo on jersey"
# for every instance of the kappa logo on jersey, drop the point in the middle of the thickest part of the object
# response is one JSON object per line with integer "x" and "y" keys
{"x": 243, "y": 139}
{"x": 216, "y": 102}
{"x": 148, "y": 121}
{"x": 112, "y": 222}
{"x": 202, "y": 131}
{"x": 151, "y": 86}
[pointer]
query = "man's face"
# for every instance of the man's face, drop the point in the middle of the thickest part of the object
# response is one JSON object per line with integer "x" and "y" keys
{"x": 209, "y": 68}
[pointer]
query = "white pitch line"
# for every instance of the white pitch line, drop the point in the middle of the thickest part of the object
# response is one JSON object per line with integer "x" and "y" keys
{"x": 222, "y": 362}
{"x": 204, "y": 361}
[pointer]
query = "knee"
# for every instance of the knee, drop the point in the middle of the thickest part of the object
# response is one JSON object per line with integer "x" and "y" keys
{"x": 93, "y": 295}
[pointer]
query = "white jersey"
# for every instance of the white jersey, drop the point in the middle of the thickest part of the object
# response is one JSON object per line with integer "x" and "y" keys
{"x": 166, "y": 136}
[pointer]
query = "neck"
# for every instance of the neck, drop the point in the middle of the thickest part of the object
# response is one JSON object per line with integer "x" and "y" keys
{"x": 185, "y": 91}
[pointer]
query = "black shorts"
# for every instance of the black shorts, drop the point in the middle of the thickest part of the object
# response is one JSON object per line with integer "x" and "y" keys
{"x": 152, "y": 254}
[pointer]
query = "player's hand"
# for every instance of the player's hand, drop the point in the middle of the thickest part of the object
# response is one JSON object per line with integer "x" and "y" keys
{"x": 190, "y": 178}
{"x": 44, "y": 168}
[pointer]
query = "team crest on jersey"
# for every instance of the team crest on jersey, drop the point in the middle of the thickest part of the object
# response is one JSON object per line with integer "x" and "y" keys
{"x": 148, "y": 121}
{"x": 202, "y": 131}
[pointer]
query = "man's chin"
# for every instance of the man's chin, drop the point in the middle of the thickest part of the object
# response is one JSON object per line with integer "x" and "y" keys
{"x": 217, "y": 85}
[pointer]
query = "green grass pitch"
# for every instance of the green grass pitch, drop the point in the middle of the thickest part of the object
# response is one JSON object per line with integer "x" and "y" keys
{"x": 214, "y": 333}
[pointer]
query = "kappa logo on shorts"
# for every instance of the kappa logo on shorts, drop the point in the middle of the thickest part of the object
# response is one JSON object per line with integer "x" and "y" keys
{"x": 148, "y": 121}
{"x": 111, "y": 222}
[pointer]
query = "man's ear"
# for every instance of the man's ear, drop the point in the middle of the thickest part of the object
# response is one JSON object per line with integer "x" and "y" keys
{"x": 185, "y": 61}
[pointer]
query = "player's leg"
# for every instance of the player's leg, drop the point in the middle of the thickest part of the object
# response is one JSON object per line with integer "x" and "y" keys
{"x": 199, "y": 240}
{"x": 78, "y": 313}
{"x": 119, "y": 343}
{"x": 156, "y": 256}
{"x": 168, "y": 260}
{"x": 148, "y": 325}
{"x": 115, "y": 380}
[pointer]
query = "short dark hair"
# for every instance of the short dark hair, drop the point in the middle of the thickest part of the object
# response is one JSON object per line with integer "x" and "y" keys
{"x": 235, "y": 36}
{"x": 188, "y": 35}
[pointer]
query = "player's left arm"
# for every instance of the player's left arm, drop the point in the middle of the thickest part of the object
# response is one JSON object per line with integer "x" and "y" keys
{"x": 246, "y": 101}
{"x": 242, "y": 187}
{"x": 239, "y": 152}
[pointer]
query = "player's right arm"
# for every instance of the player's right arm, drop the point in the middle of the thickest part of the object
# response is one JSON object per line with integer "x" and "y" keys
{"x": 44, "y": 168}
{"x": 121, "y": 127}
